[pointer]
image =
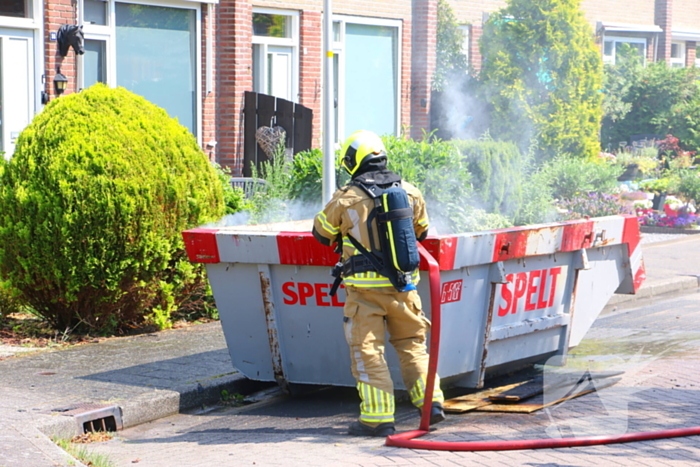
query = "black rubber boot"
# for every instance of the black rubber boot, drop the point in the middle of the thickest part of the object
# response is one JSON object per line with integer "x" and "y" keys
{"x": 382, "y": 430}
{"x": 437, "y": 414}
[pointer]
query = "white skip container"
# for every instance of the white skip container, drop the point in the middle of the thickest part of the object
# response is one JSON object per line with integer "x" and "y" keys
{"x": 508, "y": 296}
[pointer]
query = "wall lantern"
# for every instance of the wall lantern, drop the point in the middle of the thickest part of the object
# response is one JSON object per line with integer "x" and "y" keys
{"x": 60, "y": 81}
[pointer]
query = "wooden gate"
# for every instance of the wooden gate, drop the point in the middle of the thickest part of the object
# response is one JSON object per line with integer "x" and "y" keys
{"x": 263, "y": 110}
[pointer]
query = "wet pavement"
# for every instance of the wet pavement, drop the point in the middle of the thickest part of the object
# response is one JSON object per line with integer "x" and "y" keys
{"x": 153, "y": 377}
{"x": 656, "y": 344}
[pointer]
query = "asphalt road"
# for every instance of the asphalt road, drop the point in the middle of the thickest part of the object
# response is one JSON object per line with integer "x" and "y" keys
{"x": 655, "y": 342}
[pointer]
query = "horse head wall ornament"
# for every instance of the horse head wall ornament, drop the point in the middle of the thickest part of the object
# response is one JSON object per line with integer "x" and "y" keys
{"x": 70, "y": 35}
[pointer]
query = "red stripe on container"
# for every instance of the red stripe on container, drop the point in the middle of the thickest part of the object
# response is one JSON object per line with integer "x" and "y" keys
{"x": 639, "y": 277}
{"x": 201, "y": 246}
{"x": 630, "y": 233}
{"x": 577, "y": 235}
{"x": 302, "y": 249}
{"x": 509, "y": 245}
{"x": 443, "y": 250}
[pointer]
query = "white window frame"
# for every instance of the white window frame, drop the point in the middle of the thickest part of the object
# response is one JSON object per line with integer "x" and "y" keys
{"x": 35, "y": 24}
{"x": 466, "y": 30}
{"x": 339, "y": 49}
{"x": 610, "y": 60}
{"x": 265, "y": 42}
{"x": 678, "y": 62}
{"x": 108, "y": 34}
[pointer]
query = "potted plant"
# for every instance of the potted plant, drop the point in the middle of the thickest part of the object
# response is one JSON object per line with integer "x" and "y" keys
{"x": 658, "y": 186}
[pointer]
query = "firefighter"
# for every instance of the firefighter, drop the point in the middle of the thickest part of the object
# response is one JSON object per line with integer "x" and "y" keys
{"x": 373, "y": 305}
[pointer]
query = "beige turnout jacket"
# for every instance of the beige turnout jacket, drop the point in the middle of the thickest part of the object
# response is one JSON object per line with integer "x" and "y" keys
{"x": 347, "y": 213}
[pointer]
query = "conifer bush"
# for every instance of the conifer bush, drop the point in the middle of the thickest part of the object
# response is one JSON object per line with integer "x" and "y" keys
{"x": 92, "y": 206}
{"x": 542, "y": 76}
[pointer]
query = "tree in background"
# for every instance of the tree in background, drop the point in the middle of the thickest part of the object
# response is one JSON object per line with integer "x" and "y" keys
{"x": 450, "y": 61}
{"x": 542, "y": 74}
{"x": 652, "y": 100}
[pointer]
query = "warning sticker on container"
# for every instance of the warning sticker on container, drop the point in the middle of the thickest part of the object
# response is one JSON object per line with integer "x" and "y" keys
{"x": 451, "y": 291}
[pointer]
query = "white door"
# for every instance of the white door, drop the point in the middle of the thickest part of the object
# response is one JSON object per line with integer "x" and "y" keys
{"x": 16, "y": 86}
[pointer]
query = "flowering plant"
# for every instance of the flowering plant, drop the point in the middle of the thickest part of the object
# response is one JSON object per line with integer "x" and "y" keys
{"x": 593, "y": 204}
{"x": 682, "y": 221}
{"x": 642, "y": 204}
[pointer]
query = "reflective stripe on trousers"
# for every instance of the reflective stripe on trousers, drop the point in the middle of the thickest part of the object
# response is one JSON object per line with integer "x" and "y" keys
{"x": 377, "y": 406}
{"x": 417, "y": 392}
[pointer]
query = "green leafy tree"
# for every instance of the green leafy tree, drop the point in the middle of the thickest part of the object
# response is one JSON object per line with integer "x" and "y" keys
{"x": 542, "y": 74}
{"x": 450, "y": 61}
{"x": 92, "y": 206}
{"x": 659, "y": 100}
{"x": 617, "y": 81}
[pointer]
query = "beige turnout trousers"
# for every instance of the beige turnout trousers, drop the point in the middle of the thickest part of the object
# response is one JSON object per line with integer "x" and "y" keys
{"x": 369, "y": 312}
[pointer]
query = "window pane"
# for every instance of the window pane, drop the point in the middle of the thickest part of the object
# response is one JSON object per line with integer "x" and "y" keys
{"x": 271, "y": 25}
{"x": 258, "y": 68}
{"x": 608, "y": 48}
{"x": 95, "y": 11}
{"x": 16, "y": 8}
{"x": 156, "y": 57}
{"x": 336, "y": 31}
{"x": 370, "y": 79}
{"x": 94, "y": 63}
{"x": 279, "y": 72}
{"x": 336, "y": 87}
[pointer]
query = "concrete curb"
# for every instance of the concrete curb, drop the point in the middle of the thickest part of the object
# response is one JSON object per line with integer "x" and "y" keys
{"x": 649, "y": 290}
{"x": 158, "y": 404}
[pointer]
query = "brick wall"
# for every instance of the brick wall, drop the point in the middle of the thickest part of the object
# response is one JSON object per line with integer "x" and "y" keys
{"x": 422, "y": 63}
{"x": 311, "y": 69}
{"x": 619, "y": 11}
{"x": 234, "y": 63}
{"x": 690, "y": 53}
{"x": 475, "y": 33}
{"x": 209, "y": 99}
{"x": 405, "y": 81}
{"x": 663, "y": 17}
{"x": 472, "y": 12}
{"x": 59, "y": 13}
{"x": 686, "y": 15}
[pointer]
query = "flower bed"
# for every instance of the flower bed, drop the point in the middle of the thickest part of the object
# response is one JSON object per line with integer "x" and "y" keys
{"x": 651, "y": 221}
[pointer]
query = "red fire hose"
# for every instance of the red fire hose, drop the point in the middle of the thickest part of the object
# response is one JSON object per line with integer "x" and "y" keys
{"x": 407, "y": 439}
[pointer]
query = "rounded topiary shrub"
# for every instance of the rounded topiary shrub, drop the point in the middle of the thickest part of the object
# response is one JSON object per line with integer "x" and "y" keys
{"x": 92, "y": 206}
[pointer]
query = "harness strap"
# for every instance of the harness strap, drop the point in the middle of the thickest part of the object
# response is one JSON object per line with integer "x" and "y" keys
{"x": 396, "y": 214}
{"x": 378, "y": 266}
{"x": 357, "y": 264}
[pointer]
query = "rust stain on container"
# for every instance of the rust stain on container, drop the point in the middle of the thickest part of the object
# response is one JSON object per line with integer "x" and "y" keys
{"x": 272, "y": 335}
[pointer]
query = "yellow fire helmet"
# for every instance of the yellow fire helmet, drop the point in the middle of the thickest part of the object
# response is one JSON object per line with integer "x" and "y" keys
{"x": 361, "y": 147}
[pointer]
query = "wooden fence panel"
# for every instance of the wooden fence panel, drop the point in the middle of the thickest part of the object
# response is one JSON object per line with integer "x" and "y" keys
{"x": 263, "y": 110}
{"x": 303, "y": 118}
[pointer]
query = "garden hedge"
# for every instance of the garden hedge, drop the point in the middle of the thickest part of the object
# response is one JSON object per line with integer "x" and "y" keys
{"x": 92, "y": 206}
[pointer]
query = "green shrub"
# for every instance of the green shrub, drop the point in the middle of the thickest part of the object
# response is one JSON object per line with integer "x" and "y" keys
{"x": 689, "y": 186}
{"x": 101, "y": 185}
{"x": 234, "y": 197}
{"x": 496, "y": 172}
{"x": 307, "y": 176}
{"x": 442, "y": 174}
{"x": 568, "y": 177}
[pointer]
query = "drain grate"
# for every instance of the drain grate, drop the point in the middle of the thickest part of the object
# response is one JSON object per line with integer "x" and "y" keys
{"x": 94, "y": 417}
